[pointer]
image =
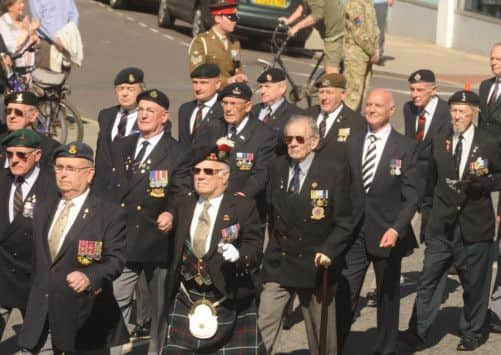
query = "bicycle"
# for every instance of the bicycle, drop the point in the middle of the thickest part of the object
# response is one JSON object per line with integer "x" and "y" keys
{"x": 58, "y": 118}
{"x": 307, "y": 91}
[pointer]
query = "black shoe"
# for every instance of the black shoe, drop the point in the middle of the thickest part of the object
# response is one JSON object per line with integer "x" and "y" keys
{"x": 413, "y": 340}
{"x": 468, "y": 344}
{"x": 495, "y": 323}
{"x": 371, "y": 299}
{"x": 140, "y": 332}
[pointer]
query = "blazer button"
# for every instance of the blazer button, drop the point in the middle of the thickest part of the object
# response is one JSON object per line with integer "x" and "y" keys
{"x": 118, "y": 185}
{"x": 46, "y": 295}
{"x": 300, "y": 238}
{"x": 284, "y": 236}
{"x": 138, "y": 207}
{"x": 458, "y": 208}
{"x": 137, "y": 226}
{"x": 300, "y": 255}
{"x": 113, "y": 169}
{"x": 284, "y": 253}
{"x": 122, "y": 205}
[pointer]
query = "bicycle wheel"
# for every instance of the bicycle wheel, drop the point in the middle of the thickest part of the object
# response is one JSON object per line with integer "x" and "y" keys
{"x": 63, "y": 121}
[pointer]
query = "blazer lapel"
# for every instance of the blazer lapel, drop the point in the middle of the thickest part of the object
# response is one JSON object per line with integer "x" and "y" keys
{"x": 389, "y": 152}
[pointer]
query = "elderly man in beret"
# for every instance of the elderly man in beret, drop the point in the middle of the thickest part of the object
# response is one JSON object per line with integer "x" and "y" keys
{"x": 22, "y": 186}
{"x": 205, "y": 83}
{"x": 22, "y": 112}
{"x": 149, "y": 169}
{"x": 79, "y": 246}
{"x": 255, "y": 143}
{"x": 335, "y": 120}
{"x": 459, "y": 226}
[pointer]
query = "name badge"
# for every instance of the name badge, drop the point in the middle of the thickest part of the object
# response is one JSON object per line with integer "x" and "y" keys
{"x": 395, "y": 167}
{"x": 159, "y": 179}
{"x": 89, "y": 251}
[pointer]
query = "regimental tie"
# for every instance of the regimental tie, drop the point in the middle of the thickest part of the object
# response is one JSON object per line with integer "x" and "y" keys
{"x": 137, "y": 160}
{"x": 369, "y": 164}
{"x": 18, "y": 195}
{"x": 493, "y": 98}
{"x": 421, "y": 124}
{"x": 233, "y": 131}
{"x": 58, "y": 229}
{"x": 267, "y": 117}
{"x": 202, "y": 231}
{"x": 294, "y": 185}
{"x": 122, "y": 124}
{"x": 323, "y": 125}
{"x": 199, "y": 115}
{"x": 457, "y": 155}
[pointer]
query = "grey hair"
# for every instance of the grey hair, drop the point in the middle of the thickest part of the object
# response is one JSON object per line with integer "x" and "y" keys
{"x": 312, "y": 124}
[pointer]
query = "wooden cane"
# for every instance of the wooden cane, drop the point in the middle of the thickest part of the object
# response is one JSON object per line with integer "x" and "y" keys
{"x": 322, "y": 344}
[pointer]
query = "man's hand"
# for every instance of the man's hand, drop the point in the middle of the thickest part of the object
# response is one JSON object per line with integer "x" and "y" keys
{"x": 78, "y": 281}
{"x": 59, "y": 44}
{"x": 228, "y": 251}
{"x": 283, "y": 19}
{"x": 292, "y": 31}
{"x": 322, "y": 260}
{"x": 375, "y": 58}
{"x": 165, "y": 221}
{"x": 389, "y": 239}
{"x": 238, "y": 78}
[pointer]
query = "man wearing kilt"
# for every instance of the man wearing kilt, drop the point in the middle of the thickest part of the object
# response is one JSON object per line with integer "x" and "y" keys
{"x": 210, "y": 304}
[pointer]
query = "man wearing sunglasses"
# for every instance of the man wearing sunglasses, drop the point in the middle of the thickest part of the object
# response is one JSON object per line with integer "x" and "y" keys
{"x": 22, "y": 186}
{"x": 22, "y": 112}
{"x": 215, "y": 46}
{"x": 310, "y": 218}
{"x": 217, "y": 247}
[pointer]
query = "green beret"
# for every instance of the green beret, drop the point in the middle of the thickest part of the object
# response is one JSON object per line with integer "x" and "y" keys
{"x": 129, "y": 76}
{"x": 206, "y": 71}
{"x": 22, "y": 138}
{"x": 156, "y": 96}
{"x": 23, "y": 97}
{"x": 74, "y": 150}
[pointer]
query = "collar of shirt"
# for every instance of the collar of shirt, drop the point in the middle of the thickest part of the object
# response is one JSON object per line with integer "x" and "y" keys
{"x": 207, "y": 106}
{"x": 213, "y": 211}
{"x": 131, "y": 120}
{"x": 468, "y": 135}
{"x": 223, "y": 38}
{"x": 274, "y": 106}
{"x": 305, "y": 168}
{"x": 493, "y": 86}
{"x": 153, "y": 142}
{"x": 77, "y": 201}
{"x": 381, "y": 135}
{"x": 331, "y": 118}
{"x": 29, "y": 181}
{"x": 209, "y": 103}
{"x": 240, "y": 126}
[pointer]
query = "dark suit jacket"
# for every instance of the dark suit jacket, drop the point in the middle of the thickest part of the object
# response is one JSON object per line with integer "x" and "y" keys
{"x": 16, "y": 239}
{"x": 392, "y": 199}
{"x": 440, "y": 124}
{"x": 334, "y": 146}
{"x": 184, "y": 115}
{"x": 490, "y": 118}
{"x": 278, "y": 120}
{"x": 471, "y": 207}
{"x": 89, "y": 320}
{"x": 48, "y": 146}
{"x": 295, "y": 236}
{"x": 103, "y": 164}
{"x": 145, "y": 243}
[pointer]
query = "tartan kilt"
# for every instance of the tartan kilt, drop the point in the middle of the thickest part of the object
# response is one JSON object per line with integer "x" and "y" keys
{"x": 237, "y": 332}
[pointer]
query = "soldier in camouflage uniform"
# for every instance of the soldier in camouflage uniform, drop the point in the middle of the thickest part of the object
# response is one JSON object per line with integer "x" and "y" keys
{"x": 360, "y": 49}
{"x": 215, "y": 46}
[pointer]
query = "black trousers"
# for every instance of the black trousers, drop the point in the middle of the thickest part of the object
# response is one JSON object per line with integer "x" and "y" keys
{"x": 473, "y": 263}
{"x": 387, "y": 272}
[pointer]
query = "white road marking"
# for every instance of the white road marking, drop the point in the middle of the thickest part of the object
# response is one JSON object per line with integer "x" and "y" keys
{"x": 153, "y": 30}
{"x": 130, "y": 18}
{"x": 168, "y": 37}
{"x": 142, "y": 24}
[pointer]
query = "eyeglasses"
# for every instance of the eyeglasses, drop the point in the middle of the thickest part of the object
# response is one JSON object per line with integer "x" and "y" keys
{"x": 207, "y": 171}
{"x": 299, "y": 139}
{"x": 69, "y": 169}
{"x": 232, "y": 17}
{"x": 20, "y": 155}
{"x": 17, "y": 112}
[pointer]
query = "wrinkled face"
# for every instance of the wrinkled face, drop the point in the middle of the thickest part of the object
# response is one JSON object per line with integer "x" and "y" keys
{"x": 271, "y": 92}
{"x": 73, "y": 175}
{"x": 151, "y": 118}
{"x": 235, "y": 109}
{"x": 17, "y": 9}
{"x": 19, "y": 116}
{"x": 22, "y": 160}
{"x": 126, "y": 95}
{"x": 226, "y": 23}
{"x": 330, "y": 98}
{"x": 300, "y": 140}
{"x": 496, "y": 61}
{"x": 205, "y": 88}
{"x": 462, "y": 116}
{"x": 210, "y": 178}
{"x": 379, "y": 108}
{"x": 422, "y": 93}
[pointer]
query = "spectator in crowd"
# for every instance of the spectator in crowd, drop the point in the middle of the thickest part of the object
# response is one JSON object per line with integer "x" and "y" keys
{"x": 381, "y": 7}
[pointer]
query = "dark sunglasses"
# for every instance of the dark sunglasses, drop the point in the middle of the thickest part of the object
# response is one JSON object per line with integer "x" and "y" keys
{"x": 20, "y": 155}
{"x": 16, "y": 111}
{"x": 299, "y": 139}
{"x": 207, "y": 171}
{"x": 232, "y": 17}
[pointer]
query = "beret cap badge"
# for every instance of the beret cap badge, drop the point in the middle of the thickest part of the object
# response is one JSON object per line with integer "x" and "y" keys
{"x": 236, "y": 91}
{"x": 72, "y": 149}
{"x": 131, "y": 78}
{"x": 268, "y": 77}
{"x": 19, "y": 98}
{"x": 154, "y": 94}
{"x": 417, "y": 77}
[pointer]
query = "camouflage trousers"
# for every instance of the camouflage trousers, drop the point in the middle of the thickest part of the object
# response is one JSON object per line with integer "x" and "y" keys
{"x": 358, "y": 73}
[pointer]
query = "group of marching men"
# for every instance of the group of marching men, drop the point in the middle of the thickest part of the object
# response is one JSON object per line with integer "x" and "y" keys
{"x": 336, "y": 191}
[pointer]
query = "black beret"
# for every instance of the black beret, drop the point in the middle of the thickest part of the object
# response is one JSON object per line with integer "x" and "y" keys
{"x": 422, "y": 75}
{"x": 464, "y": 97}
{"x": 237, "y": 90}
{"x": 206, "y": 71}
{"x": 22, "y": 138}
{"x": 155, "y": 96}
{"x": 23, "y": 97}
{"x": 74, "y": 150}
{"x": 129, "y": 76}
{"x": 331, "y": 80}
{"x": 273, "y": 75}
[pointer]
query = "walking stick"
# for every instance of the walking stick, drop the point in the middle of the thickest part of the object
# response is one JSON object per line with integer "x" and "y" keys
{"x": 322, "y": 344}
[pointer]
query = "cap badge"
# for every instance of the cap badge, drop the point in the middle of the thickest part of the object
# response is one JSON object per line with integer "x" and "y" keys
{"x": 236, "y": 91}
{"x": 131, "y": 78}
{"x": 19, "y": 98}
{"x": 22, "y": 137}
{"x": 326, "y": 82}
{"x": 417, "y": 77}
{"x": 463, "y": 97}
{"x": 268, "y": 77}
{"x": 72, "y": 149}
{"x": 154, "y": 94}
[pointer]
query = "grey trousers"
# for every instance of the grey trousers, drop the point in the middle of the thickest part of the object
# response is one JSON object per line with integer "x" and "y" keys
{"x": 381, "y": 13}
{"x": 272, "y": 306}
{"x": 496, "y": 292}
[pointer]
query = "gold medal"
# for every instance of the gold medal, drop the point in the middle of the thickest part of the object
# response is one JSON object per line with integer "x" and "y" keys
{"x": 317, "y": 213}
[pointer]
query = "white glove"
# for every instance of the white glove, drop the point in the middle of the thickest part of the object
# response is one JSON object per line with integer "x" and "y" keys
{"x": 228, "y": 251}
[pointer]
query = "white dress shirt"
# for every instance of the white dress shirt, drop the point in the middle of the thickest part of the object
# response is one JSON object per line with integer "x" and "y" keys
{"x": 131, "y": 120}
{"x": 207, "y": 106}
{"x": 467, "y": 141}
{"x": 428, "y": 112}
{"x": 149, "y": 148}
{"x": 381, "y": 139}
{"x": 29, "y": 181}
{"x": 274, "y": 106}
{"x": 305, "y": 168}
{"x": 491, "y": 91}
{"x": 72, "y": 216}
{"x": 213, "y": 210}
{"x": 240, "y": 126}
{"x": 331, "y": 118}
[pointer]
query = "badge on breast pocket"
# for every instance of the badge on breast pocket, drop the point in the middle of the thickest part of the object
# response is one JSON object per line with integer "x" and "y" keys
{"x": 29, "y": 206}
{"x": 479, "y": 167}
{"x": 319, "y": 201}
{"x": 89, "y": 251}
{"x": 159, "y": 179}
{"x": 395, "y": 167}
{"x": 229, "y": 234}
{"x": 343, "y": 134}
{"x": 244, "y": 161}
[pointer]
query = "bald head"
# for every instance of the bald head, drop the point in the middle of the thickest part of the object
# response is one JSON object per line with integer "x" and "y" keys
{"x": 379, "y": 108}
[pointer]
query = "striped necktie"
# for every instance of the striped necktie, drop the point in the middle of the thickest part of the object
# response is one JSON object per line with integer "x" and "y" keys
{"x": 369, "y": 164}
